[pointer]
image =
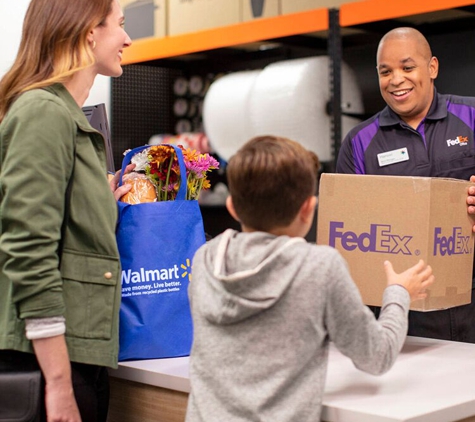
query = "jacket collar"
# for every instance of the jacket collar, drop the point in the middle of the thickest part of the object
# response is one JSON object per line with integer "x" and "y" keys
{"x": 76, "y": 112}
{"x": 437, "y": 111}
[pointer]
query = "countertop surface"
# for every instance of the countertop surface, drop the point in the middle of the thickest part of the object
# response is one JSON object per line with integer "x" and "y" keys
{"x": 432, "y": 380}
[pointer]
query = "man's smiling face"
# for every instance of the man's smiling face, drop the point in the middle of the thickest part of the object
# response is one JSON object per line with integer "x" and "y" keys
{"x": 406, "y": 78}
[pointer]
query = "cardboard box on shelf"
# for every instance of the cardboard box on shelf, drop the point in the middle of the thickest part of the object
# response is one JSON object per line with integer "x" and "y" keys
{"x": 145, "y": 18}
{"x": 255, "y": 9}
{"x": 195, "y": 15}
{"x": 370, "y": 219}
{"x": 294, "y": 6}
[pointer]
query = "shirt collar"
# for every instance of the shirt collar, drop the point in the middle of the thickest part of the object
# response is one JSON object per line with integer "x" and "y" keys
{"x": 437, "y": 111}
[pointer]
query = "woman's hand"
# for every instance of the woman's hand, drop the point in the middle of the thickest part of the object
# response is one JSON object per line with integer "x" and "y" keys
{"x": 60, "y": 403}
{"x": 120, "y": 191}
{"x": 52, "y": 355}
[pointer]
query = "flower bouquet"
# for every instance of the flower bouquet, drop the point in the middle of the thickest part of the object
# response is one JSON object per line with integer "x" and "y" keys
{"x": 156, "y": 176}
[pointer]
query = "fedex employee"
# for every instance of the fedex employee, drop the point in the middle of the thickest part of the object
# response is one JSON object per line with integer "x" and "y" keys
{"x": 419, "y": 133}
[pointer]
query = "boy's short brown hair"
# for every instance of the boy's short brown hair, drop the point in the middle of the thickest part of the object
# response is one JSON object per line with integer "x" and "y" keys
{"x": 269, "y": 178}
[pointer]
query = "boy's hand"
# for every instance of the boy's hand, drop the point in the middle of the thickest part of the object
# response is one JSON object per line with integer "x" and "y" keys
{"x": 415, "y": 279}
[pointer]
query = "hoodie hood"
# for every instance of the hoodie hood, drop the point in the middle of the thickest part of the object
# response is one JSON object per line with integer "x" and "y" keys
{"x": 244, "y": 274}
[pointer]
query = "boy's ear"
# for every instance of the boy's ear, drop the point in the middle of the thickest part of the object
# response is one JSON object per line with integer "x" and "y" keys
{"x": 230, "y": 207}
{"x": 307, "y": 210}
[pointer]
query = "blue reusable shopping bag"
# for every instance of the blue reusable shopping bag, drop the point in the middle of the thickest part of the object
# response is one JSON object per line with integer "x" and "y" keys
{"x": 157, "y": 241}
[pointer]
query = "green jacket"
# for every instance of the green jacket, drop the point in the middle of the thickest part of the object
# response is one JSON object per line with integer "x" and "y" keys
{"x": 42, "y": 138}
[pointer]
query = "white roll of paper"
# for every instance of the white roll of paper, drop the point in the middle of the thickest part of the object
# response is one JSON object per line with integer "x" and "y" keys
{"x": 290, "y": 99}
{"x": 226, "y": 112}
{"x": 287, "y": 98}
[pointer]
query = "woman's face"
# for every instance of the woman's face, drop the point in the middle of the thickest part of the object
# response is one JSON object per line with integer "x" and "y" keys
{"x": 110, "y": 40}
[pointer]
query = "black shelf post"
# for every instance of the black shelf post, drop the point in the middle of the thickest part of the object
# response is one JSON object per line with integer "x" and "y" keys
{"x": 335, "y": 58}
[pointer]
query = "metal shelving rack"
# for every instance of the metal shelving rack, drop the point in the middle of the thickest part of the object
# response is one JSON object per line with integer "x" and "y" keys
{"x": 141, "y": 98}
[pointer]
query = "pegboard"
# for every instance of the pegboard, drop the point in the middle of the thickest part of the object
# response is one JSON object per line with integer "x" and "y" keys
{"x": 140, "y": 106}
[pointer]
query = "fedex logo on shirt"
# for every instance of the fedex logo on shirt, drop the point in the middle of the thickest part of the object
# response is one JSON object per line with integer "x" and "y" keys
{"x": 459, "y": 140}
{"x": 379, "y": 238}
{"x": 454, "y": 244}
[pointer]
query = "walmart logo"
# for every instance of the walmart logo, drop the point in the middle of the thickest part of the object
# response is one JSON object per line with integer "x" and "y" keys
{"x": 144, "y": 275}
{"x": 186, "y": 270}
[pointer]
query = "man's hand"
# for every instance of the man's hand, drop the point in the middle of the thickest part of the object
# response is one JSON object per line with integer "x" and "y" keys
{"x": 471, "y": 200}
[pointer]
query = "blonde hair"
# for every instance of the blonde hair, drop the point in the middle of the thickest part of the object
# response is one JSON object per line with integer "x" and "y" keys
{"x": 53, "y": 45}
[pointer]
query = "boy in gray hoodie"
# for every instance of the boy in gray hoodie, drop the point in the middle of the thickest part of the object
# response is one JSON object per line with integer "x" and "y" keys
{"x": 265, "y": 303}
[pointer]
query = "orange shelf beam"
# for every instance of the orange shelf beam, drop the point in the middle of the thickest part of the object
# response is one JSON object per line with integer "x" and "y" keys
{"x": 146, "y": 49}
{"x": 376, "y": 10}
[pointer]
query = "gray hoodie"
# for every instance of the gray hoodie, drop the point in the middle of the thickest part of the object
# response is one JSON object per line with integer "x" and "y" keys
{"x": 264, "y": 310}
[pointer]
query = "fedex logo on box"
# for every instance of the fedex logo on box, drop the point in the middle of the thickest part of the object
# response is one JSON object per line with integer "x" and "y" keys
{"x": 456, "y": 244}
{"x": 381, "y": 238}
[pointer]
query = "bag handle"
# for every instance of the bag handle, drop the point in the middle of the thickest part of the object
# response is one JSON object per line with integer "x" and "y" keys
{"x": 181, "y": 194}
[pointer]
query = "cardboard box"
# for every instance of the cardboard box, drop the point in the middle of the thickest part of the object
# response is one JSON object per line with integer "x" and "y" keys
{"x": 294, "y": 6}
{"x": 195, "y": 15}
{"x": 145, "y": 18}
{"x": 369, "y": 219}
{"x": 256, "y": 9}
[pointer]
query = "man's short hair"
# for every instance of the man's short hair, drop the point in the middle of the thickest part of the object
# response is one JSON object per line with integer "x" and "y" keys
{"x": 269, "y": 179}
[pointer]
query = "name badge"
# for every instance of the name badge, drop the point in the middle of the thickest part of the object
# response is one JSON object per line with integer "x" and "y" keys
{"x": 391, "y": 157}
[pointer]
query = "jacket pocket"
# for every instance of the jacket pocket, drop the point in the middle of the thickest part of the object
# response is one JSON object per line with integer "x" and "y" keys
{"x": 458, "y": 166}
{"x": 89, "y": 288}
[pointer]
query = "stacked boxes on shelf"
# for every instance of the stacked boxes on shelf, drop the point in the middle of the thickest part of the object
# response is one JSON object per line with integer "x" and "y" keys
{"x": 145, "y": 18}
{"x": 160, "y": 18}
{"x": 195, "y": 15}
{"x": 294, "y": 6}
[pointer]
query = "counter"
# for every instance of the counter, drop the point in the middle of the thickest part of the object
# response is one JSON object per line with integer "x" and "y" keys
{"x": 432, "y": 381}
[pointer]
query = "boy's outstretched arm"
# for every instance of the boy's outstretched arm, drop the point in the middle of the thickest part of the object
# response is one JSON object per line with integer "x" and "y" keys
{"x": 373, "y": 345}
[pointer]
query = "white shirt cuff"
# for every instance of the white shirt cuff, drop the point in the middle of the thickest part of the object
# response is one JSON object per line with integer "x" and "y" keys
{"x": 37, "y": 328}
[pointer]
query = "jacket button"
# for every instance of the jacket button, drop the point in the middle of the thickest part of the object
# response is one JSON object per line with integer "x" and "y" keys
{"x": 108, "y": 275}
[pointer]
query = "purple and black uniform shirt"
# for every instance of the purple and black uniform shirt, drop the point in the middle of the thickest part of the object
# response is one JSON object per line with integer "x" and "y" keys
{"x": 442, "y": 145}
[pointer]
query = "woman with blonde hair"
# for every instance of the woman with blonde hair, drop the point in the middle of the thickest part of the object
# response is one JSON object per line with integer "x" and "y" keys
{"x": 59, "y": 264}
